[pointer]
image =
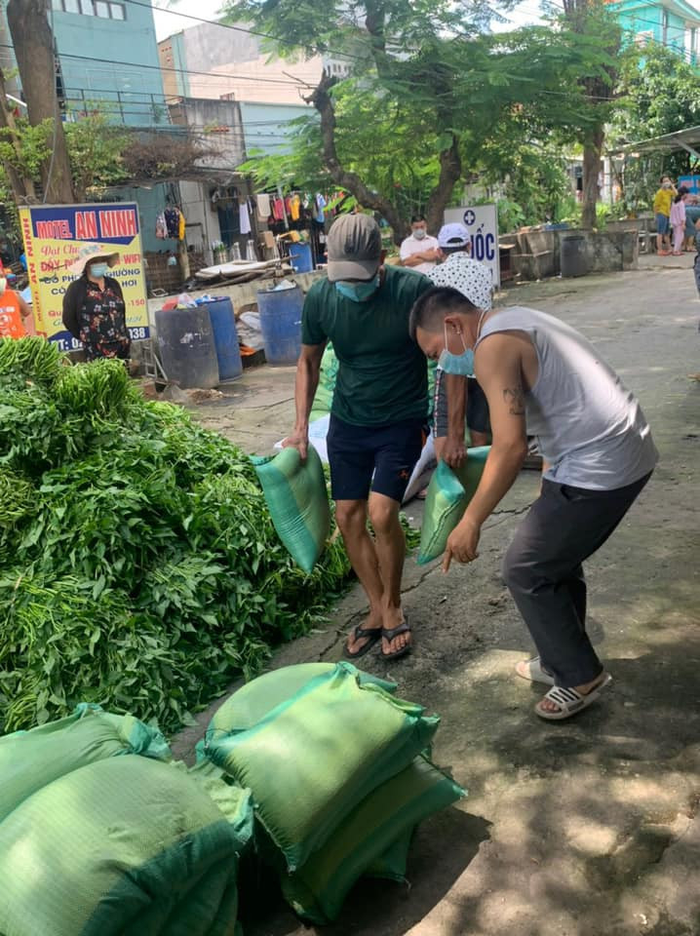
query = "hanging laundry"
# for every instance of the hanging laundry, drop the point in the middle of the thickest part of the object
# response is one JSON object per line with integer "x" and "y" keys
{"x": 161, "y": 226}
{"x": 264, "y": 207}
{"x": 172, "y": 222}
{"x": 320, "y": 207}
{"x": 294, "y": 206}
{"x": 181, "y": 227}
{"x": 244, "y": 217}
{"x": 278, "y": 209}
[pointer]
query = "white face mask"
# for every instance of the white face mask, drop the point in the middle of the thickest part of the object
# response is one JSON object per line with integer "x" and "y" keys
{"x": 419, "y": 233}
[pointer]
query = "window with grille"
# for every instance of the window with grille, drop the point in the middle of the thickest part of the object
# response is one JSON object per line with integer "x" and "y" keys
{"x": 105, "y": 9}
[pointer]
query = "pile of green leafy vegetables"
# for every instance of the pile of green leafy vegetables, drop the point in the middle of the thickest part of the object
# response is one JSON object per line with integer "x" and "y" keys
{"x": 139, "y": 567}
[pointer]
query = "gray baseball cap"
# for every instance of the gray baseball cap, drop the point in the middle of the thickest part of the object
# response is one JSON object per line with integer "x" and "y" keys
{"x": 354, "y": 248}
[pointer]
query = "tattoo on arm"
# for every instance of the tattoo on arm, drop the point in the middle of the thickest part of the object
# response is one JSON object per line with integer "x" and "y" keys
{"x": 515, "y": 398}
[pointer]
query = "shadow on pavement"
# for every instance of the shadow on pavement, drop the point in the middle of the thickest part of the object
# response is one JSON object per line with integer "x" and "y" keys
{"x": 443, "y": 848}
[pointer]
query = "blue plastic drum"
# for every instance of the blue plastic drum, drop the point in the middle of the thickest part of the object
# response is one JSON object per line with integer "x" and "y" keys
{"x": 280, "y": 322}
{"x": 301, "y": 257}
{"x": 228, "y": 353}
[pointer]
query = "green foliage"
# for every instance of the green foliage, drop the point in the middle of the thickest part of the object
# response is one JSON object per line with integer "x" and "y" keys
{"x": 659, "y": 95}
{"x": 28, "y": 148}
{"x": 139, "y": 567}
{"x": 424, "y": 75}
{"x": 95, "y": 148}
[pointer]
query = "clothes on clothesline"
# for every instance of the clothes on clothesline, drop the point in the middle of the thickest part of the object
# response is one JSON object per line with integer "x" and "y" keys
{"x": 171, "y": 224}
{"x": 244, "y": 218}
{"x": 264, "y": 207}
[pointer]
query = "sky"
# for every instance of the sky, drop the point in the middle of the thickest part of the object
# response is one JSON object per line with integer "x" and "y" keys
{"x": 169, "y": 22}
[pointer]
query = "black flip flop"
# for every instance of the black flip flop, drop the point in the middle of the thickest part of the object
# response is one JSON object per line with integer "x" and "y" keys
{"x": 391, "y": 634}
{"x": 373, "y": 634}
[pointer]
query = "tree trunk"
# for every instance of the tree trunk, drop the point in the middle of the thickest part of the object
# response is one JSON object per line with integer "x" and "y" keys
{"x": 440, "y": 197}
{"x": 34, "y": 51}
{"x": 22, "y": 186}
{"x": 350, "y": 181}
{"x": 592, "y": 151}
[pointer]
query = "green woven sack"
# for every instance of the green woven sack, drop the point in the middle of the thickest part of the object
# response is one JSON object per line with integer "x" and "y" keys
{"x": 449, "y": 492}
{"x": 323, "y": 400}
{"x": 252, "y": 702}
{"x": 31, "y": 759}
{"x": 297, "y": 498}
{"x": 372, "y": 840}
{"x": 312, "y": 759}
{"x": 123, "y": 847}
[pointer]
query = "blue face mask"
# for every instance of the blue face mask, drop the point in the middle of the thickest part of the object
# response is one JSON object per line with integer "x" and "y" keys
{"x": 98, "y": 270}
{"x": 462, "y": 365}
{"x": 358, "y": 292}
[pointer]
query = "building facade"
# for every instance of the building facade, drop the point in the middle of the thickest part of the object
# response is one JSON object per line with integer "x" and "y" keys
{"x": 220, "y": 62}
{"x": 671, "y": 23}
{"x": 107, "y": 60}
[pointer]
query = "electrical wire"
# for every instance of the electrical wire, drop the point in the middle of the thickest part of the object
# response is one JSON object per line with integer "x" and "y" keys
{"x": 185, "y": 71}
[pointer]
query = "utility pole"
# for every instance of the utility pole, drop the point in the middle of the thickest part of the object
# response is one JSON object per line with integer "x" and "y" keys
{"x": 34, "y": 50}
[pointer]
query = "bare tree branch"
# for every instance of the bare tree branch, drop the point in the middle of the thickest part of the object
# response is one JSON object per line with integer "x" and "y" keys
{"x": 322, "y": 101}
{"x": 450, "y": 174}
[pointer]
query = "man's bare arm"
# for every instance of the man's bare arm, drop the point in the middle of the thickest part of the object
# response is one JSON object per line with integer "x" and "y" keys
{"x": 308, "y": 372}
{"x": 499, "y": 371}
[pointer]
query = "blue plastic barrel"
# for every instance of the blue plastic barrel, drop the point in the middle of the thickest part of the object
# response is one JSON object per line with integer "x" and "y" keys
{"x": 186, "y": 347}
{"x": 223, "y": 323}
{"x": 280, "y": 322}
{"x": 301, "y": 257}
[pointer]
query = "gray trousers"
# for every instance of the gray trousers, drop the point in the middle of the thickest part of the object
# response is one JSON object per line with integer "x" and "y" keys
{"x": 543, "y": 570}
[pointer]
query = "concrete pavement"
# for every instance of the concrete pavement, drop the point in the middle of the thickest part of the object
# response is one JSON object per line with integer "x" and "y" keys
{"x": 587, "y": 827}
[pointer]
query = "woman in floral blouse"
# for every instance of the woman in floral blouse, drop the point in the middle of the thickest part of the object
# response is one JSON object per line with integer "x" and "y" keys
{"x": 93, "y": 307}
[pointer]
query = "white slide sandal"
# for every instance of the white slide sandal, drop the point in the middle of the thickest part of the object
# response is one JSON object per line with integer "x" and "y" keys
{"x": 570, "y": 701}
{"x": 532, "y": 669}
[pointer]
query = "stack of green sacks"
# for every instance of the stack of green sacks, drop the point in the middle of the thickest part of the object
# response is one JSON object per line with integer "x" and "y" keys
{"x": 97, "y": 844}
{"x": 338, "y": 773}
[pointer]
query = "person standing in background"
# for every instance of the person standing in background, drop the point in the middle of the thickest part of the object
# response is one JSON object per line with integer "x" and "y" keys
{"x": 94, "y": 310}
{"x": 13, "y": 309}
{"x": 677, "y": 220}
{"x": 419, "y": 251}
{"x": 662, "y": 212}
{"x": 474, "y": 280}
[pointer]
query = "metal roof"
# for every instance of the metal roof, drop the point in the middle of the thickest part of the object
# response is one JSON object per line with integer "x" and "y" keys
{"x": 688, "y": 140}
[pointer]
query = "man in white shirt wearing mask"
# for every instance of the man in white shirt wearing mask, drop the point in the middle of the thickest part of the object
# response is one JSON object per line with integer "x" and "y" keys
{"x": 473, "y": 280}
{"x": 419, "y": 251}
{"x": 543, "y": 378}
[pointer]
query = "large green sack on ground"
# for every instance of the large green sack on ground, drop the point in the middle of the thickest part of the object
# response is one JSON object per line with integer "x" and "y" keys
{"x": 323, "y": 400}
{"x": 252, "y": 702}
{"x": 372, "y": 840}
{"x": 312, "y": 759}
{"x": 31, "y": 759}
{"x": 297, "y": 498}
{"x": 449, "y": 493}
{"x": 123, "y": 847}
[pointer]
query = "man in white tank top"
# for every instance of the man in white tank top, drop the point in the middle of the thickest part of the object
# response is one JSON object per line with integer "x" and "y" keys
{"x": 543, "y": 378}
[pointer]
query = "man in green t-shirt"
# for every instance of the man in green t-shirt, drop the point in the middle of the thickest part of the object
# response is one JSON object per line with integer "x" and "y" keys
{"x": 379, "y": 408}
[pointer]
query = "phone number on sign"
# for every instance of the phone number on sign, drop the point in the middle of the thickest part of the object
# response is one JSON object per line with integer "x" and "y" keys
{"x": 73, "y": 344}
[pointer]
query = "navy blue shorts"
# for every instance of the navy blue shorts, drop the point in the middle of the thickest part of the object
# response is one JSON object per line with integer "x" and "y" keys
{"x": 378, "y": 457}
